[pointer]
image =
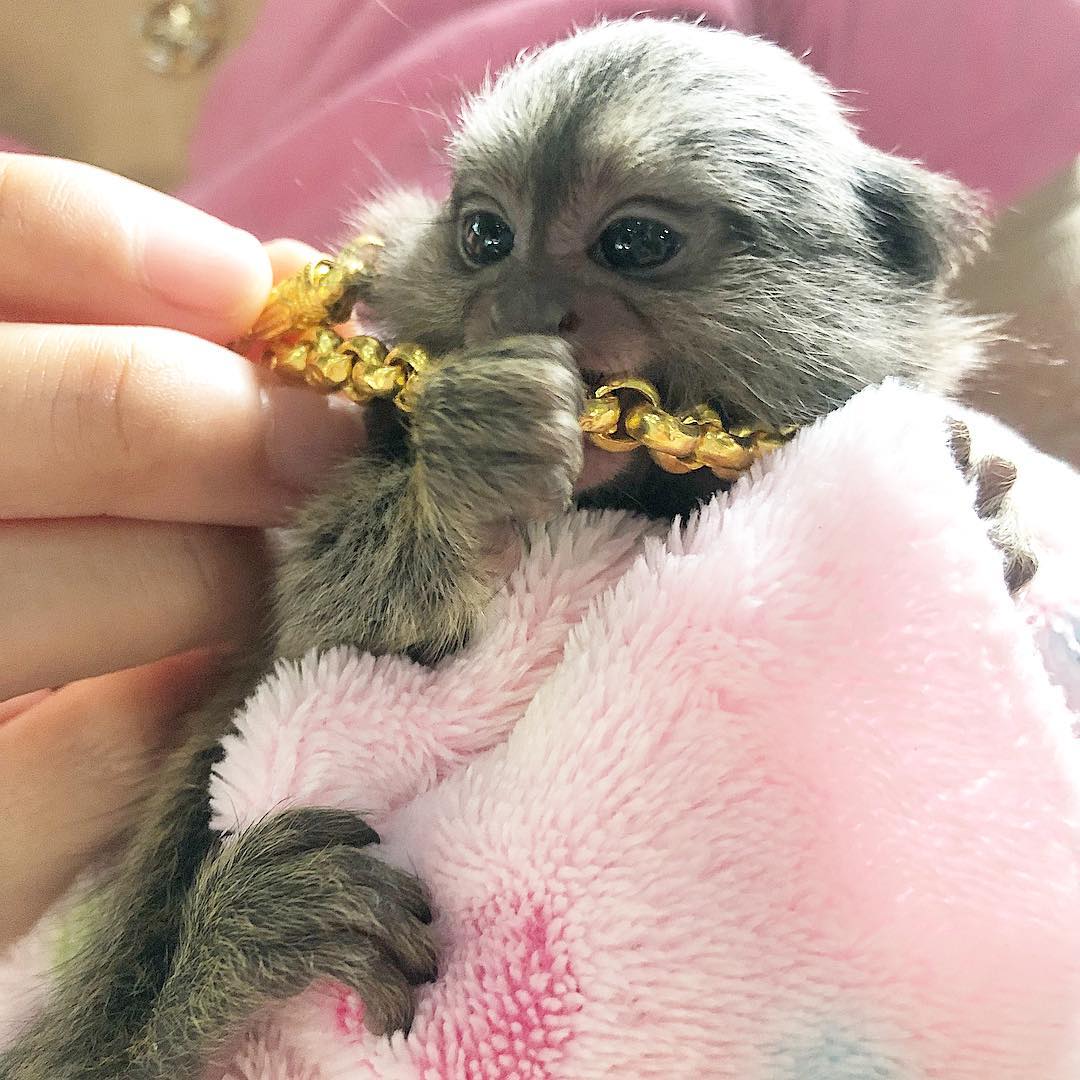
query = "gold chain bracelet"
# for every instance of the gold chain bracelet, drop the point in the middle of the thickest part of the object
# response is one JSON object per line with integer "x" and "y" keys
{"x": 294, "y": 336}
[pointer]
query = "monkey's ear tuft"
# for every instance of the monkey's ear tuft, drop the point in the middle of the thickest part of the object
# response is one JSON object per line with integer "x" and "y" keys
{"x": 924, "y": 225}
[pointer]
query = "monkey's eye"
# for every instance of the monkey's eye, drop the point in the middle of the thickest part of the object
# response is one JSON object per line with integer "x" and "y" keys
{"x": 636, "y": 244}
{"x": 485, "y": 238}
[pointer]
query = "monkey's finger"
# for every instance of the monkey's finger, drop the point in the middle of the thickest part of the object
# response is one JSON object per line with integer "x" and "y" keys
{"x": 405, "y": 939}
{"x": 86, "y": 597}
{"x": 82, "y": 245}
{"x": 1021, "y": 565}
{"x": 399, "y": 888}
{"x": 74, "y": 766}
{"x": 387, "y": 997}
{"x": 1019, "y": 561}
{"x": 152, "y": 423}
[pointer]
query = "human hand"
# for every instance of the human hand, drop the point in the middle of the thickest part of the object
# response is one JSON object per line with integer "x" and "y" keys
{"x": 140, "y": 461}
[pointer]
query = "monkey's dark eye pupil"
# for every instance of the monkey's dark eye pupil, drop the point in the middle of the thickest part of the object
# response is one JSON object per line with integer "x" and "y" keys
{"x": 636, "y": 244}
{"x": 486, "y": 238}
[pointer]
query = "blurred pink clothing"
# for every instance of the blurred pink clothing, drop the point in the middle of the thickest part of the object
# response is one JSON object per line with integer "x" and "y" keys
{"x": 330, "y": 100}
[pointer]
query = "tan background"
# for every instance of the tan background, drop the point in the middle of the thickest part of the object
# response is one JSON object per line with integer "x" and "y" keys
{"x": 72, "y": 83}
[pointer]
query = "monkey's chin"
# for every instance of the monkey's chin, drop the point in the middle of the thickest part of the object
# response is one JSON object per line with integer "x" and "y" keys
{"x": 601, "y": 468}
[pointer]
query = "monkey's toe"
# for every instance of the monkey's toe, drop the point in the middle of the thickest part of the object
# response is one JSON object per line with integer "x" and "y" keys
{"x": 370, "y": 907}
{"x": 960, "y": 443}
{"x": 993, "y": 478}
{"x": 1019, "y": 562}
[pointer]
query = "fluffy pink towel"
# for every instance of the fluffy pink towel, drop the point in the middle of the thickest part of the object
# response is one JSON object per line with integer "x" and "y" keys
{"x": 788, "y": 795}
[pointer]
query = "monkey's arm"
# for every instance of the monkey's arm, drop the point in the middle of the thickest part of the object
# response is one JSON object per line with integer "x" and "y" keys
{"x": 191, "y": 937}
{"x": 399, "y": 557}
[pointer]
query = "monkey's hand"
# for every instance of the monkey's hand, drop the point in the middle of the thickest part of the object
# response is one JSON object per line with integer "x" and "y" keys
{"x": 294, "y": 899}
{"x": 495, "y": 432}
{"x": 994, "y": 477}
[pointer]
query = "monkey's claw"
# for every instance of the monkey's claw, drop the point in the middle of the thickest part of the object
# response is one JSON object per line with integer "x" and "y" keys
{"x": 298, "y": 898}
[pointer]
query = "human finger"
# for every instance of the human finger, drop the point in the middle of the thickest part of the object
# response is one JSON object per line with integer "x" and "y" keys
{"x": 287, "y": 256}
{"x": 152, "y": 423}
{"x": 74, "y": 767}
{"x": 82, "y": 245}
{"x": 90, "y": 596}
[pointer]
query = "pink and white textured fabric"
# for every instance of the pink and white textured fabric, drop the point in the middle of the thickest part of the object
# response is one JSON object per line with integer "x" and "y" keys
{"x": 790, "y": 794}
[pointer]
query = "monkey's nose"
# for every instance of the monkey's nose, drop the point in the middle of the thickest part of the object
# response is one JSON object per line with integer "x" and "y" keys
{"x": 535, "y": 306}
{"x": 569, "y": 323}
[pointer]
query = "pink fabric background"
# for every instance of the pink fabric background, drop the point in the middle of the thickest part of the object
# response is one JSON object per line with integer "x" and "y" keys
{"x": 330, "y": 100}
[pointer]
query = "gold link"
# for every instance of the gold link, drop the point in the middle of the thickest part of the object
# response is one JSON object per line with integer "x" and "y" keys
{"x": 291, "y": 363}
{"x": 328, "y": 369}
{"x": 601, "y": 415}
{"x": 641, "y": 386}
{"x": 365, "y": 354}
{"x": 300, "y": 301}
{"x": 614, "y": 444}
{"x": 295, "y": 329}
{"x": 364, "y": 350}
{"x": 660, "y": 431}
{"x": 718, "y": 450}
{"x": 409, "y": 355}
{"x": 353, "y": 392}
{"x": 413, "y": 360}
{"x": 383, "y": 382}
{"x": 611, "y": 441}
{"x": 672, "y": 464}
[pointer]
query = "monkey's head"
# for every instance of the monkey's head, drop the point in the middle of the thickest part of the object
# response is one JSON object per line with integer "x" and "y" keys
{"x": 688, "y": 204}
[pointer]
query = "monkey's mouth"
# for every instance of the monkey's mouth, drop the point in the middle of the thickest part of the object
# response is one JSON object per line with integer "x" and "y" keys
{"x": 594, "y": 378}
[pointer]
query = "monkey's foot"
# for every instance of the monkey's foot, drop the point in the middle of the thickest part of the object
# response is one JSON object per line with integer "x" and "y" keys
{"x": 293, "y": 900}
{"x": 994, "y": 477}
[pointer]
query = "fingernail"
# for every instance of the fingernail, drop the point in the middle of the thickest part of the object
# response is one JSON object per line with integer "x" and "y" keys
{"x": 287, "y": 255}
{"x": 308, "y": 434}
{"x": 197, "y": 262}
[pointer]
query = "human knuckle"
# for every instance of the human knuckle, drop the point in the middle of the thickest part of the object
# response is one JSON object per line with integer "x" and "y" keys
{"x": 25, "y": 181}
{"x": 103, "y": 408}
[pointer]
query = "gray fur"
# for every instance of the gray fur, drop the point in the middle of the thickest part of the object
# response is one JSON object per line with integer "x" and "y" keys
{"x": 814, "y": 267}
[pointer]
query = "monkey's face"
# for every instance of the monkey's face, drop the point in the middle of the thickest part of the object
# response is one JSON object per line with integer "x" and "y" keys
{"x": 690, "y": 205}
{"x": 589, "y": 267}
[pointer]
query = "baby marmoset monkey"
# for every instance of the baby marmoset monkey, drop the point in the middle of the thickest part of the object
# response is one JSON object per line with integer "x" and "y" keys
{"x": 655, "y": 198}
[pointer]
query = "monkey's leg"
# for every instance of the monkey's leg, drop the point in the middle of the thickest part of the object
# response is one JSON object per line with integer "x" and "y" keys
{"x": 294, "y": 899}
{"x": 399, "y": 557}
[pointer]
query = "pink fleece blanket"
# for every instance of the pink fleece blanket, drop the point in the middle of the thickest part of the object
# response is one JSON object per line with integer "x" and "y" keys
{"x": 790, "y": 794}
